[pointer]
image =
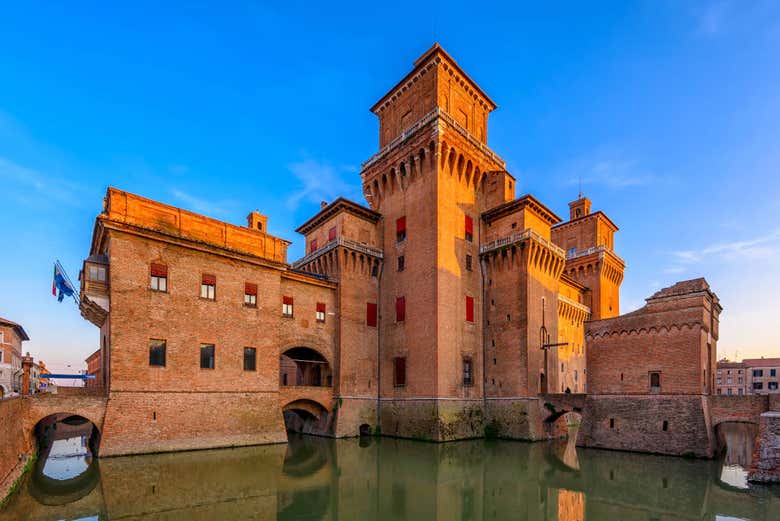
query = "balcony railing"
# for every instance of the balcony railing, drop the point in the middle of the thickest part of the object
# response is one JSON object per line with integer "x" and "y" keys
{"x": 340, "y": 241}
{"x": 523, "y": 235}
{"x": 420, "y": 123}
{"x": 570, "y": 255}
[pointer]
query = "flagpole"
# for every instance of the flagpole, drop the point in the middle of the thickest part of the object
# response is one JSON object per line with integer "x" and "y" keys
{"x": 67, "y": 278}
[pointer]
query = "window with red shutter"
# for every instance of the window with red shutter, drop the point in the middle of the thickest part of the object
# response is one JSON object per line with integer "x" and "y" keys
{"x": 400, "y": 229}
{"x": 469, "y": 229}
{"x": 399, "y": 371}
{"x": 400, "y": 309}
{"x": 287, "y": 306}
{"x": 469, "y": 309}
{"x": 320, "y": 312}
{"x": 371, "y": 314}
{"x": 313, "y": 246}
{"x": 332, "y": 234}
{"x": 159, "y": 277}
{"x": 208, "y": 287}
{"x": 250, "y": 294}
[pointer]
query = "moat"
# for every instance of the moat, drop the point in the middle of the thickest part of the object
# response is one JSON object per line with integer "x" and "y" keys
{"x": 315, "y": 478}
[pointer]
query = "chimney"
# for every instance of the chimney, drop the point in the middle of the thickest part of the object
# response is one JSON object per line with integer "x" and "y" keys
{"x": 323, "y": 204}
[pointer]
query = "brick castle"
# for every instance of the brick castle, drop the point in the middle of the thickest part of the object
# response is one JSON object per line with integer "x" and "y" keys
{"x": 444, "y": 309}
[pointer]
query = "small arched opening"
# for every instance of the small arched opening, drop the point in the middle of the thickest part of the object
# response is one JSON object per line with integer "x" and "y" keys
{"x": 66, "y": 468}
{"x": 306, "y": 417}
{"x": 303, "y": 366}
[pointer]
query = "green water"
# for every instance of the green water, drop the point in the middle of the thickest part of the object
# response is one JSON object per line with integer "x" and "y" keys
{"x": 318, "y": 478}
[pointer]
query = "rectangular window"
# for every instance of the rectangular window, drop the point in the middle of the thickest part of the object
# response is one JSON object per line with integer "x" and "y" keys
{"x": 2, "y": 337}
{"x": 401, "y": 263}
{"x": 739, "y": 392}
{"x": 207, "y": 356}
{"x": 739, "y": 379}
{"x": 313, "y": 246}
{"x": 758, "y": 372}
{"x": 159, "y": 274}
{"x": 655, "y": 381}
{"x": 156, "y": 352}
{"x": 332, "y": 234}
{"x": 250, "y": 294}
{"x": 208, "y": 287}
{"x": 758, "y": 385}
{"x": 400, "y": 309}
{"x": 320, "y": 312}
{"x": 773, "y": 372}
{"x": 469, "y": 229}
{"x": 468, "y": 263}
{"x": 371, "y": 314}
{"x": 468, "y": 377}
{"x": 772, "y": 386}
{"x": 97, "y": 273}
{"x": 469, "y": 309}
{"x": 728, "y": 391}
{"x": 400, "y": 229}
{"x": 399, "y": 371}
{"x": 287, "y": 306}
{"x": 250, "y": 359}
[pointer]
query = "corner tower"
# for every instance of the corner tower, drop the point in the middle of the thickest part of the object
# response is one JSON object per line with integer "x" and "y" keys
{"x": 430, "y": 181}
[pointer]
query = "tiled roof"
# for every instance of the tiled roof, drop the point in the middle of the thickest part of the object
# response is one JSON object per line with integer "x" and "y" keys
{"x": 19, "y": 329}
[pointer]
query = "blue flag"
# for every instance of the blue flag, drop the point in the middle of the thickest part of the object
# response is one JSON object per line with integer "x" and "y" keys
{"x": 60, "y": 283}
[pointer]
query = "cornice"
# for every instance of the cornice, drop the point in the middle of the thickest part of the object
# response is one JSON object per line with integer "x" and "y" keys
{"x": 333, "y": 209}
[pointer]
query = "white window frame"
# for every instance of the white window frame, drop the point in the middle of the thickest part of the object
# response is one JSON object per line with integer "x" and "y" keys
{"x": 208, "y": 291}
{"x": 320, "y": 315}
{"x": 159, "y": 283}
{"x": 287, "y": 310}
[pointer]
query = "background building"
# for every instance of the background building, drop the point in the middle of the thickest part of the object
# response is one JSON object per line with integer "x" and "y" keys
{"x": 11, "y": 337}
{"x": 731, "y": 378}
{"x": 762, "y": 375}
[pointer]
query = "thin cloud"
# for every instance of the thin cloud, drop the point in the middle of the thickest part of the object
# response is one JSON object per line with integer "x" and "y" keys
{"x": 760, "y": 247}
{"x": 713, "y": 18}
{"x": 615, "y": 173}
{"x": 200, "y": 205}
{"x": 320, "y": 181}
{"x": 26, "y": 180}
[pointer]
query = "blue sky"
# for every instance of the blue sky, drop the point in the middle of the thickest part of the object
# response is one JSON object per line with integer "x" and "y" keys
{"x": 667, "y": 112}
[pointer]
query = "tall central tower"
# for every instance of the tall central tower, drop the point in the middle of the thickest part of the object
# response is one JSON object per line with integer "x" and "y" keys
{"x": 431, "y": 180}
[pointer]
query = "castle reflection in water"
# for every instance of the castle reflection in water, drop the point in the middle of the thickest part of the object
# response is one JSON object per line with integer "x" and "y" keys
{"x": 324, "y": 479}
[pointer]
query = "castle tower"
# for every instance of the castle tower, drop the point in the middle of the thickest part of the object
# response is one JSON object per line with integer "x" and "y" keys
{"x": 430, "y": 181}
{"x": 588, "y": 239}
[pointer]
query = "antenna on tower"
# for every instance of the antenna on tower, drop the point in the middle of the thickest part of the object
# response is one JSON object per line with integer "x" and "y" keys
{"x": 579, "y": 186}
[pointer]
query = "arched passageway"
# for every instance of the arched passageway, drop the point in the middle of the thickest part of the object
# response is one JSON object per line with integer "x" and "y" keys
{"x": 303, "y": 366}
{"x": 67, "y": 467}
{"x": 306, "y": 417}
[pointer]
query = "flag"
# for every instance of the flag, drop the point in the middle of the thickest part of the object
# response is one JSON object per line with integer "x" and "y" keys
{"x": 60, "y": 282}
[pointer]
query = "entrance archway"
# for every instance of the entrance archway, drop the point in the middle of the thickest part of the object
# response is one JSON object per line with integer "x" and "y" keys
{"x": 304, "y": 367}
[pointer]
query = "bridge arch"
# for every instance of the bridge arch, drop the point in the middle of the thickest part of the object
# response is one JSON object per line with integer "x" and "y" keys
{"x": 306, "y": 416}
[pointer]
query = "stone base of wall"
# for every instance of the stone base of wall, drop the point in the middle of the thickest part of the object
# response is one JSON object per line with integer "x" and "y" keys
{"x": 433, "y": 420}
{"x": 635, "y": 423}
{"x": 765, "y": 467}
{"x": 517, "y": 419}
{"x": 352, "y": 413}
{"x": 138, "y": 423}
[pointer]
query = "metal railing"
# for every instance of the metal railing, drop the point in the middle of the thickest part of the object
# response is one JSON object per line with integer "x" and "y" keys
{"x": 420, "y": 123}
{"x": 528, "y": 233}
{"x": 340, "y": 241}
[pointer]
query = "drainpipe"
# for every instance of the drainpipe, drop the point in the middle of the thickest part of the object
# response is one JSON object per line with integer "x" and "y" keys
{"x": 484, "y": 339}
{"x": 379, "y": 331}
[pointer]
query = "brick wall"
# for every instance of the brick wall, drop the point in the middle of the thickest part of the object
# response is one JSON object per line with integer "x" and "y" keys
{"x": 14, "y": 440}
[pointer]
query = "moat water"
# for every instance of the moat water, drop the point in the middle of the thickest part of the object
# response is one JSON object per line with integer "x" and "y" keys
{"x": 382, "y": 478}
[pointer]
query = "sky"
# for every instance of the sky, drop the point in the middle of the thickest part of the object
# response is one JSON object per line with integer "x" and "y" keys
{"x": 665, "y": 113}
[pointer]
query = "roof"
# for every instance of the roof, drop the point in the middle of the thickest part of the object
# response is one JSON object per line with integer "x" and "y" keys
{"x": 761, "y": 362}
{"x": 684, "y": 287}
{"x": 728, "y": 364}
{"x": 420, "y": 62}
{"x": 19, "y": 329}
{"x": 340, "y": 204}
{"x": 518, "y": 204}
{"x": 597, "y": 213}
